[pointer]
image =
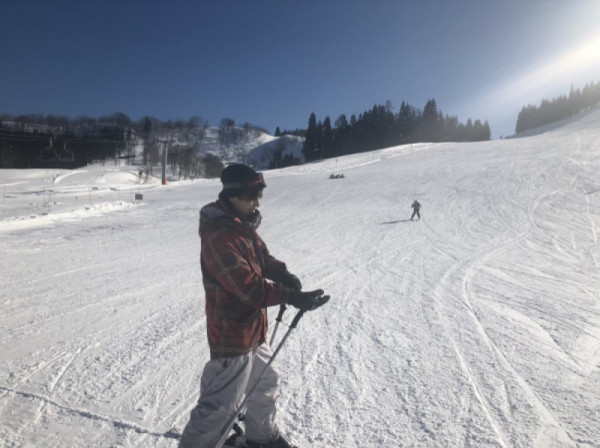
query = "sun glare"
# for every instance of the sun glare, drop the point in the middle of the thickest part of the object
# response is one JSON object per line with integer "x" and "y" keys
{"x": 576, "y": 67}
{"x": 582, "y": 57}
{"x": 569, "y": 68}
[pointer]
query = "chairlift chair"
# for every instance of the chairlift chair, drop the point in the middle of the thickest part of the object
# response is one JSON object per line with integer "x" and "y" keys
{"x": 66, "y": 155}
{"x": 48, "y": 154}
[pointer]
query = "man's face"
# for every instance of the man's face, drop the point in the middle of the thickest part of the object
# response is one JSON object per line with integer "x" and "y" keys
{"x": 246, "y": 205}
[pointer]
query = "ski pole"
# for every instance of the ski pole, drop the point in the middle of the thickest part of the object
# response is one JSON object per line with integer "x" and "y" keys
{"x": 279, "y": 318}
{"x": 231, "y": 421}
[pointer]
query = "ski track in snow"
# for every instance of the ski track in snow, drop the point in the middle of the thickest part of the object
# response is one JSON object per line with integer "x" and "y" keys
{"x": 477, "y": 326}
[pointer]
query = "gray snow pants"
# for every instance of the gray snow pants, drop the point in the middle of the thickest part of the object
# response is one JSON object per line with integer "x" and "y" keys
{"x": 223, "y": 387}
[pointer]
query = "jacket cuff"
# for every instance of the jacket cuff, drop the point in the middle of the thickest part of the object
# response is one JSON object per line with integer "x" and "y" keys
{"x": 275, "y": 274}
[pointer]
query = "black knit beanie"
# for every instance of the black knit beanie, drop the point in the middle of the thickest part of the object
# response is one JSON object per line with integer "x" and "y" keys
{"x": 239, "y": 179}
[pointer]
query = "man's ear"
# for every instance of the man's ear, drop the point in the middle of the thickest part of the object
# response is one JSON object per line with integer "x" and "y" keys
{"x": 235, "y": 199}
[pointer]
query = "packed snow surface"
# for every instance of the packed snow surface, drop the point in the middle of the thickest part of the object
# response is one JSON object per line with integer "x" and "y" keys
{"x": 477, "y": 326}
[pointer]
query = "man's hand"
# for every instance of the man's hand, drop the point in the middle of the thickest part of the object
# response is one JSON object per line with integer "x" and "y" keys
{"x": 291, "y": 281}
{"x": 308, "y": 301}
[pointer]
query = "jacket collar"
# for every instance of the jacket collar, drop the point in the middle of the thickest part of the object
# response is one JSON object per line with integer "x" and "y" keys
{"x": 223, "y": 213}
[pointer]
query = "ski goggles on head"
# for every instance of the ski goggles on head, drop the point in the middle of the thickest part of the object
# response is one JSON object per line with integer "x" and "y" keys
{"x": 253, "y": 184}
{"x": 259, "y": 182}
{"x": 253, "y": 195}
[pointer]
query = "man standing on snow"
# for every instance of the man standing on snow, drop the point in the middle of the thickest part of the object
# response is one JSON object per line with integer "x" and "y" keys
{"x": 416, "y": 206}
{"x": 236, "y": 267}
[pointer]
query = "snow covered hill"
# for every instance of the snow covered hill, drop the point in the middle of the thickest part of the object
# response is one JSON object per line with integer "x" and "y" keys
{"x": 247, "y": 145}
{"x": 477, "y": 326}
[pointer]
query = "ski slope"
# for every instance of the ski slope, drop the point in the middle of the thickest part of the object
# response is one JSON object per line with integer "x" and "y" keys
{"x": 478, "y": 326}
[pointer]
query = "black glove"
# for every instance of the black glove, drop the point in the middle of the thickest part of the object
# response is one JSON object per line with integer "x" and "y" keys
{"x": 291, "y": 281}
{"x": 308, "y": 301}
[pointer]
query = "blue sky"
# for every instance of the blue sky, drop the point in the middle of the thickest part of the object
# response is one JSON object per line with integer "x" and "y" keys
{"x": 273, "y": 62}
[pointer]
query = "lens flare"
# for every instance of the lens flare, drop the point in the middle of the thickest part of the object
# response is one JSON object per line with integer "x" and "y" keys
{"x": 567, "y": 69}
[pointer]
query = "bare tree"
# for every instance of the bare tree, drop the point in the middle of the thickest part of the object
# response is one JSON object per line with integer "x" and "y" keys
{"x": 212, "y": 166}
{"x": 151, "y": 155}
{"x": 227, "y": 126}
{"x": 198, "y": 126}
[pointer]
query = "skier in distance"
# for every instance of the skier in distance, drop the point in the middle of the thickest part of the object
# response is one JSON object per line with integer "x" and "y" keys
{"x": 416, "y": 206}
{"x": 241, "y": 279}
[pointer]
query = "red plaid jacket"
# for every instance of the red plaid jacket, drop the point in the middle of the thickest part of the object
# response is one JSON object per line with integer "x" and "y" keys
{"x": 235, "y": 266}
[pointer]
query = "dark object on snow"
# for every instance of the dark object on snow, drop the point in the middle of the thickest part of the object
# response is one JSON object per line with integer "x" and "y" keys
{"x": 237, "y": 433}
{"x": 279, "y": 442}
{"x": 336, "y": 176}
{"x": 238, "y": 440}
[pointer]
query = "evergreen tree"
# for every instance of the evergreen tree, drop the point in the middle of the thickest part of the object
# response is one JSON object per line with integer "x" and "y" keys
{"x": 430, "y": 123}
{"x": 451, "y": 129}
{"x": 147, "y": 128}
{"x": 341, "y": 135}
{"x": 319, "y": 147}
{"x": 478, "y": 131}
{"x": 311, "y": 141}
{"x": 469, "y": 132}
{"x": 328, "y": 150}
{"x": 406, "y": 123}
{"x": 550, "y": 111}
{"x": 486, "y": 132}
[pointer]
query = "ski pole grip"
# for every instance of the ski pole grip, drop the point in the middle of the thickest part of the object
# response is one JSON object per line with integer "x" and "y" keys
{"x": 282, "y": 309}
{"x": 297, "y": 318}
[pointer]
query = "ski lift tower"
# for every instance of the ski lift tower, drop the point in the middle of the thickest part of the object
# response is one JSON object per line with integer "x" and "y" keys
{"x": 168, "y": 138}
{"x": 164, "y": 161}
